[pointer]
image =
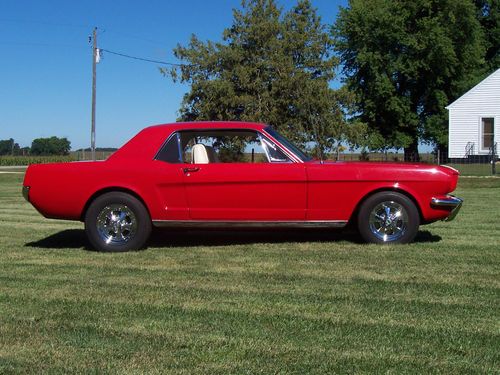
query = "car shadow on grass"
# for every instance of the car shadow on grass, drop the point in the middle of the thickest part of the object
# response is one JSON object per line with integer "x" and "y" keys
{"x": 65, "y": 239}
{"x": 76, "y": 239}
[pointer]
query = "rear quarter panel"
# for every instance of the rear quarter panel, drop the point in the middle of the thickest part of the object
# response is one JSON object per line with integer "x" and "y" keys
{"x": 62, "y": 190}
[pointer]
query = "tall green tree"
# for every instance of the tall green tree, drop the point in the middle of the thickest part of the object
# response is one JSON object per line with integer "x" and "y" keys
{"x": 271, "y": 66}
{"x": 406, "y": 60}
{"x": 50, "y": 146}
{"x": 9, "y": 147}
{"x": 488, "y": 13}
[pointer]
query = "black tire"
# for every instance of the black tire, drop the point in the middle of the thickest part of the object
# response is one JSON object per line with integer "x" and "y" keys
{"x": 387, "y": 218}
{"x": 117, "y": 222}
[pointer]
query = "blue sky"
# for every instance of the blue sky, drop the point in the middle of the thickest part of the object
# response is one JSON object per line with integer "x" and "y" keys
{"x": 46, "y": 64}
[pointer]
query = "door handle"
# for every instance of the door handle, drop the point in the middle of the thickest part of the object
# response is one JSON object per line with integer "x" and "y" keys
{"x": 190, "y": 169}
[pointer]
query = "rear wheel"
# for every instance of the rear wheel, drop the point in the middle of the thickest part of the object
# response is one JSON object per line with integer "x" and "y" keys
{"x": 388, "y": 217}
{"x": 117, "y": 221}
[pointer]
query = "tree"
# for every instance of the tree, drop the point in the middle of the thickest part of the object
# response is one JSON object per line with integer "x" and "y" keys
{"x": 9, "y": 147}
{"x": 406, "y": 60}
{"x": 488, "y": 14}
{"x": 50, "y": 146}
{"x": 16, "y": 149}
{"x": 270, "y": 67}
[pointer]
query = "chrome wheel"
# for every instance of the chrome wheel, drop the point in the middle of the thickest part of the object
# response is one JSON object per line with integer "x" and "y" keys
{"x": 116, "y": 224}
{"x": 388, "y": 221}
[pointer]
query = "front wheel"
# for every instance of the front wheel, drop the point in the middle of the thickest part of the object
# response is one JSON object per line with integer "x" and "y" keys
{"x": 388, "y": 217}
{"x": 117, "y": 221}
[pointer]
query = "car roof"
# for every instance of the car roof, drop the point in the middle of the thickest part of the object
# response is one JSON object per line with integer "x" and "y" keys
{"x": 148, "y": 141}
{"x": 210, "y": 125}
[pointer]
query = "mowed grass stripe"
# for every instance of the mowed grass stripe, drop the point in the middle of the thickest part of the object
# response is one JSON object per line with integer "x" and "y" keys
{"x": 436, "y": 293}
{"x": 134, "y": 313}
{"x": 153, "y": 326}
{"x": 389, "y": 310}
{"x": 274, "y": 274}
{"x": 235, "y": 272}
{"x": 263, "y": 279}
{"x": 21, "y": 223}
{"x": 186, "y": 354}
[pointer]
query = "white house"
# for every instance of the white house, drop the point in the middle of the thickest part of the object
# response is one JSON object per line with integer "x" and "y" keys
{"x": 474, "y": 119}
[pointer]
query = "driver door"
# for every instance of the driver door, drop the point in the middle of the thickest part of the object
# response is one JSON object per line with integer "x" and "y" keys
{"x": 232, "y": 175}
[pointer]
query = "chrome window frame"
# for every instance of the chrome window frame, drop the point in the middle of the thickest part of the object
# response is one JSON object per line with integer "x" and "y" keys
{"x": 176, "y": 134}
{"x": 179, "y": 148}
{"x": 294, "y": 158}
{"x": 257, "y": 133}
{"x": 261, "y": 135}
{"x": 266, "y": 143}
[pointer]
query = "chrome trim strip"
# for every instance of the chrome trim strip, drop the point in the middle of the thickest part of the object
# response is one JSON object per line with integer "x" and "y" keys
{"x": 266, "y": 143}
{"x": 177, "y": 135}
{"x": 449, "y": 202}
{"x": 200, "y": 224}
{"x": 179, "y": 147}
{"x": 259, "y": 134}
{"x": 286, "y": 151}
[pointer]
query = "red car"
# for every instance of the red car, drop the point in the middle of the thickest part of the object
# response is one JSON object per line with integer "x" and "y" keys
{"x": 234, "y": 174}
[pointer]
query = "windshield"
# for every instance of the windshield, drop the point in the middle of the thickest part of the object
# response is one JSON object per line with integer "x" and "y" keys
{"x": 289, "y": 145}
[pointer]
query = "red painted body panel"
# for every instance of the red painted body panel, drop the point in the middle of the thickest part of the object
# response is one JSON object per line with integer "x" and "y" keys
{"x": 241, "y": 191}
{"x": 336, "y": 188}
{"x": 263, "y": 191}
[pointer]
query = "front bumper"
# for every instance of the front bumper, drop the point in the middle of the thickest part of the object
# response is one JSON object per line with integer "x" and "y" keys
{"x": 449, "y": 202}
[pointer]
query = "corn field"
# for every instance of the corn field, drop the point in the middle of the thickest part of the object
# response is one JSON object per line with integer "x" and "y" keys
{"x": 6, "y": 161}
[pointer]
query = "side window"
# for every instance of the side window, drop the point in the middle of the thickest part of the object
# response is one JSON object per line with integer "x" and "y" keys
{"x": 170, "y": 150}
{"x": 187, "y": 148}
{"x": 222, "y": 146}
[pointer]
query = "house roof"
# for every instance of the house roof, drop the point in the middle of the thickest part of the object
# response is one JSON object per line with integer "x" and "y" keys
{"x": 475, "y": 88}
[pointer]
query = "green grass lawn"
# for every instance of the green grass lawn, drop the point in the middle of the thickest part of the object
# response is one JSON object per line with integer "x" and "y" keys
{"x": 247, "y": 302}
{"x": 476, "y": 169}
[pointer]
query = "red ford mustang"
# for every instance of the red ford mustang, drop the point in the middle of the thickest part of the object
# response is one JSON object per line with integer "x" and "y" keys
{"x": 233, "y": 174}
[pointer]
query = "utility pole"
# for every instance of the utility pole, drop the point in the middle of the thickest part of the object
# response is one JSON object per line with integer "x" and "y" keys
{"x": 94, "y": 62}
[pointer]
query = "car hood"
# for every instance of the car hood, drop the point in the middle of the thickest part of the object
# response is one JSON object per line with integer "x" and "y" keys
{"x": 383, "y": 171}
{"x": 378, "y": 167}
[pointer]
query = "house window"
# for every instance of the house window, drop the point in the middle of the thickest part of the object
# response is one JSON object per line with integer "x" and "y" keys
{"x": 487, "y": 126}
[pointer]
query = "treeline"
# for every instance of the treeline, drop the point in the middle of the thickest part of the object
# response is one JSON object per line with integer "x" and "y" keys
{"x": 39, "y": 146}
{"x": 98, "y": 149}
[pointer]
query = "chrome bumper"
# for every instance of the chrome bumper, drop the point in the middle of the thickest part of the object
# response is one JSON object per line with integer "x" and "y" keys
{"x": 451, "y": 202}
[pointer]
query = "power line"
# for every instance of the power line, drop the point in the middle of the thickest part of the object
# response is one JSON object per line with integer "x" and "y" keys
{"x": 43, "y": 23}
{"x": 35, "y": 44}
{"x": 132, "y": 36}
{"x": 143, "y": 59}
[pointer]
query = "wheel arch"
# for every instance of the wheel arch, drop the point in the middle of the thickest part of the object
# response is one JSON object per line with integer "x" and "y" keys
{"x": 355, "y": 212}
{"x": 112, "y": 189}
